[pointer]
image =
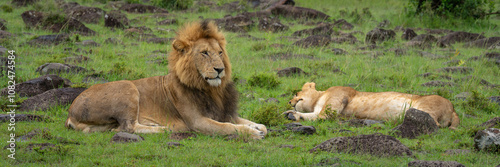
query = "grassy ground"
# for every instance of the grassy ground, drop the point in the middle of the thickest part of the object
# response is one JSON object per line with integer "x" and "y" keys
{"x": 363, "y": 71}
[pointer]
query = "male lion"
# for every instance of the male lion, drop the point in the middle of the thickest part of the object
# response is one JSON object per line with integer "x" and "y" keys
{"x": 197, "y": 94}
{"x": 368, "y": 105}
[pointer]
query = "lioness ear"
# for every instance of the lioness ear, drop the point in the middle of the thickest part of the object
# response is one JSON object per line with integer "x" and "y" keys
{"x": 179, "y": 46}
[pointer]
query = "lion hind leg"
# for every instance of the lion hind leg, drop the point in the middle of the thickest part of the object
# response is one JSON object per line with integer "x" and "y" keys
{"x": 140, "y": 128}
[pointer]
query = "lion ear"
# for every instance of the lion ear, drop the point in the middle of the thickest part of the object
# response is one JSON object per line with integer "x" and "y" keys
{"x": 179, "y": 46}
{"x": 309, "y": 85}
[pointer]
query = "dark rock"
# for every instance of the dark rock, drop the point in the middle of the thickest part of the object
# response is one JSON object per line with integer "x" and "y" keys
{"x": 492, "y": 123}
{"x": 463, "y": 70}
{"x": 421, "y": 163}
{"x": 124, "y": 137}
{"x": 488, "y": 140}
{"x": 71, "y": 25}
{"x": 416, "y": 123}
{"x": 492, "y": 55}
{"x": 86, "y": 14}
{"x": 140, "y": 8}
{"x": 484, "y": 43}
{"x": 23, "y": 2}
{"x": 271, "y": 24}
{"x": 167, "y": 22}
{"x": 51, "y": 99}
{"x": 87, "y": 43}
{"x": 57, "y": 68}
{"x": 298, "y": 12}
{"x": 384, "y": 23}
{"x": 343, "y": 24}
{"x": 21, "y": 117}
{"x": 313, "y": 41}
{"x": 408, "y": 34}
{"x": 374, "y": 144}
{"x": 291, "y": 71}
{"x": 38, "y": 85}
{"x": 345, "y": 38}
{"x": 338, "y": 51}
{"x": 49, "y": 40}
{"x": 459, "y": 36}
{"x": 159, "y": 40}
{"x": 32, "y": 18}
{"x": 40, "y": 146}
{"x": 182, "y": 136}
{"x": 290, "y": 126}
{"x": 116, "y": 19}
{"x": 305, "y": 130}
{"x": 438, "y": 84}
{"x": 379, "y": 35}
{"x": 240, "y": 23}
{"x": 363, "y": 122}
{"x": 457, "y": 152}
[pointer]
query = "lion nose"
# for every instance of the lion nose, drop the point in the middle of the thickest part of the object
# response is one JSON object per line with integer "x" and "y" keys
{"x": 219, "y": 70}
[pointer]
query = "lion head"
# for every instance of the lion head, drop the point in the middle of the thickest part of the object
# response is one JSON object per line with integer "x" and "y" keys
{"x": 303, "y": 100}
{"x": 199, "y": 58}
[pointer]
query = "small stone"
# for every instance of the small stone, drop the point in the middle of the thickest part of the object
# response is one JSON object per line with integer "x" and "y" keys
{"x": 488, "y": 140}
{"x": 307, "y": 130}
{"x": 421, "y": 163}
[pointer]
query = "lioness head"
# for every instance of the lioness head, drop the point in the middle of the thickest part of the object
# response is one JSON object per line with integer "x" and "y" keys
{"x": 303, "y": 100}
{"x": 199, "y": 57}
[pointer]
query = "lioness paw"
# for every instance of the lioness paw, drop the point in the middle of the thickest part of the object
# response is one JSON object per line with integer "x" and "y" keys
{"x": 292, "y": 115}
{"x": 259, "y": 127}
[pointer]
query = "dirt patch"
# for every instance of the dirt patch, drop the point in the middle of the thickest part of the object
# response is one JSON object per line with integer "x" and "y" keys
{"x": 124, "y": 137}
{"x": 291, "y": 71}
{"x": 140, "y": 8}
{"x": 416, "y": 123}
{"x": 379, "y": 35}
{"x": 51, "y": 99}
{"x": 39, "y": 85}
{"x": 40, "y": 146}
{"x": 298, "y": 12}
{"x": 458, "y": 36}
{"x": 5, "y": 34}
{"x": 314, "y": 41}
{"x": 32, "y": 18}
{"x": 116, "y": 19}
{"x": 363, "y": 122}
{"x": 272, "y": 24}
{"x": 57, "y": 68}
{"x": 85, "y": 14}
{"x": 374, "y": 144}
{"x": 49, "y": 40}
{"x": 408, "y": 34}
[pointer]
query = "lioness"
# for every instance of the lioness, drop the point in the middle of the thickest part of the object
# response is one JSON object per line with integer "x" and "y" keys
{"x": 368, "y": 105}
{"x": 196, "y": 95}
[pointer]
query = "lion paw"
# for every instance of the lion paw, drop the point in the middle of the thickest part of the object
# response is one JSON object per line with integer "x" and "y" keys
{"x": 259, "y": 127}
{"x": 292, "y": 115}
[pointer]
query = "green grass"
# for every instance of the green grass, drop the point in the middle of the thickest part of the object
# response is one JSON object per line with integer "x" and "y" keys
{"x": 249, "y": 59}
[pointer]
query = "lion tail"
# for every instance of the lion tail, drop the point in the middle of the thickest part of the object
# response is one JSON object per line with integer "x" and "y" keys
{"x": 454, "y": 120}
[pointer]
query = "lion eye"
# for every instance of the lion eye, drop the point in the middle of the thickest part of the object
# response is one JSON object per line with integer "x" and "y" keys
{"x": 205, "y": 53}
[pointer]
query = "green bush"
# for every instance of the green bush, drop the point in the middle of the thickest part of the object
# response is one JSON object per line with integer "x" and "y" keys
{"x": 264, "y": 80}
{"x": 6, "y": 8}
{"x": 475, "y": 9}
{"x": 477, "y": 102}
{"x": 173, "y": 4}
{"x": 269, "y": 115}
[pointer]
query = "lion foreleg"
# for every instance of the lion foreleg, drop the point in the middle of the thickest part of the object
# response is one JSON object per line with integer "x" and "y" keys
{"x": 212, "y": 127}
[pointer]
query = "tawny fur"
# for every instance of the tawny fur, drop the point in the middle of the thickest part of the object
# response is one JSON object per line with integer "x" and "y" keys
{"x": 347, "y": 102}
{"x": 196, "y": 95}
